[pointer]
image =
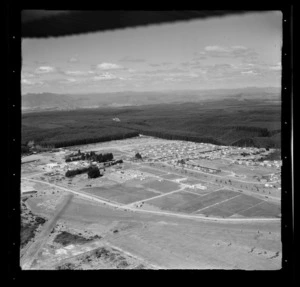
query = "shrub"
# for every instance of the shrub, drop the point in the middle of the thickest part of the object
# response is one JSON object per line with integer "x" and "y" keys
{"x": 138, "y": 156}
{"x": 94, "y": 172}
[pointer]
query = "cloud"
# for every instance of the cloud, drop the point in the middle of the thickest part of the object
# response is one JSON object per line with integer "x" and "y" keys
{"x": 155, "y": 65}
{"x": 239, "y": 48}
{"x": 79, "y": 73}
{"x": 249, "y": 73}
{"x": 216, "y": 48}
{"x": 233, "y": 52}
{"x": 276, "y": 67}
{"x": 160, "y": 64}
{"x": 132, "y": 60}
{"x": 172, "y": 79}
{"x": 26, "y": 75}
{"x": 73, "y": 60}
{"x": 40, "y": 63}
{"x": 30, "y": 79}
{"x": 72, "y": 80}
{"x": 168, "y": 75}
{"x": 184, "y": 75}
{"x": 97, "y": 77}
{"x": 201, "y": 70}
{"x": 187, "y": 63}
{"x": 31, "y": 82}
{"x": 105, "y": 76}
{"x": 224, "y": 49}
{"x": 26, "y": 82}
{"x": 108, "y": 66}
{"x": 164, "y": 71}
{"x": 44, "y": 70}
{"x": 222, "y": 71}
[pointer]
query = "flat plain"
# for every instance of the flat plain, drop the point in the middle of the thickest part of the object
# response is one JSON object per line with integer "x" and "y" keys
{"x": 153, "y": 213}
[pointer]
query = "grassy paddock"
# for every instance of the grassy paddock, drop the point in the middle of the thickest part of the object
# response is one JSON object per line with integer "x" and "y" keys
{"x": 188, "y": 202}
{"x": 163, "y": 186}
{"x": 120, "y": 193}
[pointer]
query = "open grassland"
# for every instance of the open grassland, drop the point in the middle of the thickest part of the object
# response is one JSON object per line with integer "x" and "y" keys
{"x": 233, "y": 206}
{"x": 266, "y": 209}
{"x": 162, "y": 241}
{"x": 196, "y": 191}
{"x": 163, "y": 186}
{"x": 243, "y": 206}
{"x": 172, "y": 176}
{"x": 149, "y": 215}
{"x": 136, "y": 181}
{"x": 152, "y": 171}
{"x": 120, "y": 193}
{"x": 188, "y": 202}
{"x": 209, "y": 186}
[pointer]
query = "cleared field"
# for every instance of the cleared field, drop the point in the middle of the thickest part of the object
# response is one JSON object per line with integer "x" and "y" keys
{"x": 139, "y": 181}
{"x": 266, "y": 209}
{"x": 187, "y": 173}
{"x": 178, "y": 202}
{"x": 196, "y": 191}
{"x": 164, "y": 240}
{"x": 209, "y": 186}
{"x": 30, "y": 169}
{"x": 230, "y": 207}
{"x": 189, "y": 202}
{"x": 191, "y": 181}
{"x": 152, "y": 170}
{"x": 162, "y": 186}
{"x": 216, "y": 212}
{"x": 172, "y": 176}
{"x": 120, "y": 193}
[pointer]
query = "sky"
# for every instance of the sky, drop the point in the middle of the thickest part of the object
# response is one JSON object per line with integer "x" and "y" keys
{"x": 220, "y": 52}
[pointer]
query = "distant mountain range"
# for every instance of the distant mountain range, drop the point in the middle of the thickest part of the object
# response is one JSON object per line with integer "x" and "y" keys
{"x": 52, "y": 102}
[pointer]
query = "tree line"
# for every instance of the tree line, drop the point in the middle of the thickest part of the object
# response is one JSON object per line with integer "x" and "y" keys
{"x": 173, "y": 136}
{"x": 91, "y": 156}
{"x": 92, "y": 171}
{"x": 262, "y": 132}
{"x": 88, "y": 140}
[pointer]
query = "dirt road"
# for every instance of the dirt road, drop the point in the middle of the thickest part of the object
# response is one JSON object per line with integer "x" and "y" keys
{"x": 31, "y": 253}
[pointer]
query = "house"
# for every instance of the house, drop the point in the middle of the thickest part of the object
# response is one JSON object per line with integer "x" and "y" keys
{"x": 51, "y": 165}
{"x": 201, "y": 186}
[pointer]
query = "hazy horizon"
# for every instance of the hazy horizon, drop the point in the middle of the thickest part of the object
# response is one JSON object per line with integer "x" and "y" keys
{"x": 227, "y": 52}
{"x": 155, "y": 91}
